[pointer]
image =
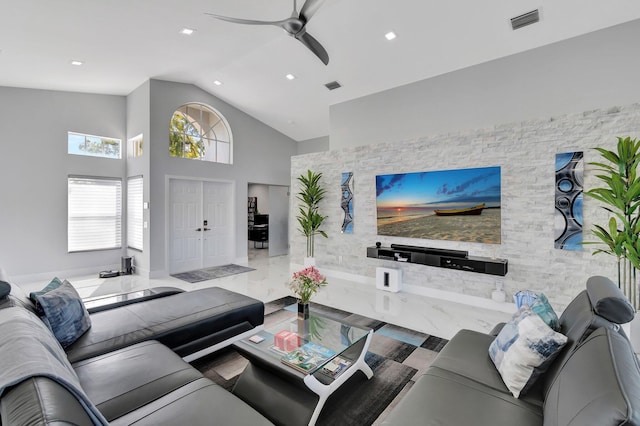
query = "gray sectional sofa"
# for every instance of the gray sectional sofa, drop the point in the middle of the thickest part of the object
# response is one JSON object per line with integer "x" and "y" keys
{"x": 593, "y": 381}
{"x": 127, "y": 369}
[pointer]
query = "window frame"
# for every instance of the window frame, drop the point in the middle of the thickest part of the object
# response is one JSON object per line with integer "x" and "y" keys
{"x": 77, "y": 219}
{"x": 103, "y": 140}
{"x": 195, "y": 129}
{"x": 138, "y": 210}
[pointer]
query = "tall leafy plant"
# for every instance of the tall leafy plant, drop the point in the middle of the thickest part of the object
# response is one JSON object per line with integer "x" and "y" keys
{"x": 620, "y": 195}
{"x": 309, "y": 219}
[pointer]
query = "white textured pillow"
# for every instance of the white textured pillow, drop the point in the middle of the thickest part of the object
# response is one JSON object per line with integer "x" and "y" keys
{"x": 521, "y": 348}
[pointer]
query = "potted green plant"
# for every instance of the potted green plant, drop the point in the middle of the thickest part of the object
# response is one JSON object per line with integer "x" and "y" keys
{"x": 309, "y": 219}
{"x": 620, "y": 195}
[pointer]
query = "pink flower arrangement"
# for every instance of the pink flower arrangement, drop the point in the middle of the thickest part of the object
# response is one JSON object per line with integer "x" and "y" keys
{"x": 306, "y": 283}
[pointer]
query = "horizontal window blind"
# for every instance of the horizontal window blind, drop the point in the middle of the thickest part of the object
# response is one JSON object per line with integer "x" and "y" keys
{"x": 134, "y": 212}
{"x": 95, "y": 213}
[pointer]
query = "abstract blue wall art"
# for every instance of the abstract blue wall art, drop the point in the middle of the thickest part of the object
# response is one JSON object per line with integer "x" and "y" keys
{"x": 457, "y": 205}
{"x": 568, "y": 215}
{"x": 347, "y": 202}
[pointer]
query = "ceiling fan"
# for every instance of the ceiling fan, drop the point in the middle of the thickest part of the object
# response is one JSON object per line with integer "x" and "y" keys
{"x": 294, "y": 26}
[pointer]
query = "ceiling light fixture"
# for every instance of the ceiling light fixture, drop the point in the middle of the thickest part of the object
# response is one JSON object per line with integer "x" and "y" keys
{"x": 390, "y": 35}
{"x": 186, "y": 31}
{"x": 76, "y": 63}
{"x": 290, "y": 77}
{"x": 217, "y": 82}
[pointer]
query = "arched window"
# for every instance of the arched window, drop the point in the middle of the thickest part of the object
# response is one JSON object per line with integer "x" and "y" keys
{"x": 199, "y": 132}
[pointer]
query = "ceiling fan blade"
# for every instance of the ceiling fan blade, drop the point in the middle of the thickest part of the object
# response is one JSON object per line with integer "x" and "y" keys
{"x": 244, "y": 21}
{"x": 310, "y": 8}
{"x": 313, "y": 45}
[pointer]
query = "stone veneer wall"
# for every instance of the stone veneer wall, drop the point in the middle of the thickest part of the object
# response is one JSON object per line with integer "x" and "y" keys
{"x": 526, "y": 154}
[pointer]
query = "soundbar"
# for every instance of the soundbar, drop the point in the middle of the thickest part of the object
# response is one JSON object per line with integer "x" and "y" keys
{"x": 441, "y": 258}
{"x": 431, "y": 250}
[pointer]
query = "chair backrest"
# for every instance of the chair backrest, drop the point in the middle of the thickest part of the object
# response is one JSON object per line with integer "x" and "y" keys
{"x": 599, "y": 384}
{"x": 602, "y": 304}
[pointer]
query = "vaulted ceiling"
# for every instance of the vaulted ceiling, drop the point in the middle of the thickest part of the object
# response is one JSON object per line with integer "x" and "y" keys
{"x": 122, "y": 43}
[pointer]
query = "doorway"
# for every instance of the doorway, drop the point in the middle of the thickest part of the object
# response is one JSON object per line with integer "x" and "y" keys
{"x": 272, "y": 203}
{"x": 201, "y": 222}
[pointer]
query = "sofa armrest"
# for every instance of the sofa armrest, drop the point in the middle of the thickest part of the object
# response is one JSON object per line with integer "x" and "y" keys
{"x": 103, "y": 303}
{"x": 496, "y": 330}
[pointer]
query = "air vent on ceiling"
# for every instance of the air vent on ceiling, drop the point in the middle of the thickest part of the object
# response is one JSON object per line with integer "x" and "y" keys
{"x": 525, "y": 19}
{"x": 333, "y": 85}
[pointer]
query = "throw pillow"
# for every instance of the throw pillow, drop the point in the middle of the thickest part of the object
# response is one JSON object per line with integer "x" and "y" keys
{"x": 524, "y": 297}
{"x": 543, "y": 308}
{"x": 65, "y": 313}
{"x": 55, "y": 283}
{"x": 523, "y": 345}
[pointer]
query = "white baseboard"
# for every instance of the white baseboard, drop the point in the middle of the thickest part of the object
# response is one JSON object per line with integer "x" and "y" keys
{"x": 63, "y": 274}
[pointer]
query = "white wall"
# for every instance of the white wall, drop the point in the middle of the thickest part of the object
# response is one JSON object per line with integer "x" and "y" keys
{"x": 525, "y": 151}
{"x": 34, "y": 166}
{"x": 261, "y": 154}
{"x": 596, "y": 70}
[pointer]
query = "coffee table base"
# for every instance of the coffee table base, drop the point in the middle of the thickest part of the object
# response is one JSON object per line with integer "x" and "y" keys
{"x": 286, "y": 396}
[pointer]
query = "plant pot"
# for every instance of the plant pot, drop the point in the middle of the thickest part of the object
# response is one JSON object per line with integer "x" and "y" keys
{"x": 309, "y": 261}
{"x": 303, "y": 320}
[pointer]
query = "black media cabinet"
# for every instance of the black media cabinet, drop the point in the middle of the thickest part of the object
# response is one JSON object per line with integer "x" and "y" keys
{"x": 441, "y": 258}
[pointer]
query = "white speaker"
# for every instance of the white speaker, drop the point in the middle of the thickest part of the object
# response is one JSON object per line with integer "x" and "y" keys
{"x": 388, "y": 279}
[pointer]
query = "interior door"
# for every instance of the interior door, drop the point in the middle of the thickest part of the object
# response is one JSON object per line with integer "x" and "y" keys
{"x": 278, "y": 220}
{"x": 186, "y": 217}
{"x": 217, "y": 221}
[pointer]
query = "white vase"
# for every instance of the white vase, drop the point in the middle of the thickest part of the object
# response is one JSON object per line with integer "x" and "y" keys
{"x": 309, "y": 261}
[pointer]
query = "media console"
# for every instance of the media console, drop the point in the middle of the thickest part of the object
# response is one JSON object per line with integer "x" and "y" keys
{"x": 441, "y": 258}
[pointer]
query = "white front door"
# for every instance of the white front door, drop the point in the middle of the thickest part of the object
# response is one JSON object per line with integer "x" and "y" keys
{"x": 217, "y": 223}
{"x": 201, "y": 225}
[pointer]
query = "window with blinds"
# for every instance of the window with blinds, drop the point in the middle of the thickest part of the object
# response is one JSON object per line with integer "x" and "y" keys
{"x": 94, "y": 213}
{"x": 134, "y": 213}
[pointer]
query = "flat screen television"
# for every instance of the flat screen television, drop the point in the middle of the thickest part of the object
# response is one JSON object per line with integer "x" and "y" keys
{"x": 456, "y": 205}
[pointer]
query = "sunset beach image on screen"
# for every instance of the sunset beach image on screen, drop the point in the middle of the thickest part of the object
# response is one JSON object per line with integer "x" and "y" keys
{"x": 457, "y": 205}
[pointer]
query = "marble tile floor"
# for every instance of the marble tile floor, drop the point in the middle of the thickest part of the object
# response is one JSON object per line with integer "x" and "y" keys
{"x": 269, "y": 281}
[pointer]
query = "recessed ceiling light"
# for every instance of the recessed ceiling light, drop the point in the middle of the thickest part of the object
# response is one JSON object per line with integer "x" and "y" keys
{"x": 217, "y": 82}
{"x": 390, "y": 35}
{"x": 76, "y": 63}
{"x": 186, "y": 31}
{"x": 290, "y": 77}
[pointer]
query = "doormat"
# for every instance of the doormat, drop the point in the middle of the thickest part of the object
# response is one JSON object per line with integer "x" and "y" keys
{"x": 211, "y": 273}
{"x": 397, "y": 356}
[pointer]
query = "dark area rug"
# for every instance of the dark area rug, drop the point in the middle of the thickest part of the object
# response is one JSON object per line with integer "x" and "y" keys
{"x": 396, "y": 355}
{"x": 211, "y": 273}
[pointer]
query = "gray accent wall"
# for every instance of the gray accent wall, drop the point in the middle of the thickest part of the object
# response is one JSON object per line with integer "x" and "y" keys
{"x": 313, "y": 145}
{"x": 138, "y": 122}
{"x": 260, "y": 154}
{"x": 592, "y": 71}
{"x": 34, "y": 166}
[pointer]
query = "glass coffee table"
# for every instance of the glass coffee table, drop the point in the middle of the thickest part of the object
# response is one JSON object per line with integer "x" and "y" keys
{"x": 295, "y": 365}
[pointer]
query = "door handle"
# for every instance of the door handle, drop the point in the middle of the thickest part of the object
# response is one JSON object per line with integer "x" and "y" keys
{"x": 198, "y": 229}
{"x": 207, "y": 229}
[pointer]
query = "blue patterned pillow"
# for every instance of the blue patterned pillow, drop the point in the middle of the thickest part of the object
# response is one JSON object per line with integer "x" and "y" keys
{"x": 65, "y": 313}
{"x": 55, "y": 283}
{"x": 523, "y": 349}
{"x": 543, "y": 308}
